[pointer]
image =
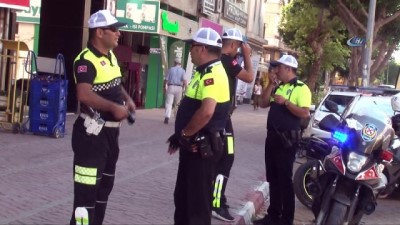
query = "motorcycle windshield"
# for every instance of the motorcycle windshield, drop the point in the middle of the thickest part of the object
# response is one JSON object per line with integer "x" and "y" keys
{"x": 371, "y": 129}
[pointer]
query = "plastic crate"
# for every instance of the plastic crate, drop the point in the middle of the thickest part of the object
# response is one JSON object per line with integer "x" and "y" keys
{"x": 47, "y": 115}
{"x": 47, "y": 103}
{"x": 51, "y": 128}
{"x": 48, "y": 97}
{"x": 45, "y": 88}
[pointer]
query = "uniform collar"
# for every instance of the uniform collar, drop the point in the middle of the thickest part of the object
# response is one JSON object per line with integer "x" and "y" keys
{"x": 95, "y": 51}
{"x": 290, "y": 82}
{"x": 203, "y": 67}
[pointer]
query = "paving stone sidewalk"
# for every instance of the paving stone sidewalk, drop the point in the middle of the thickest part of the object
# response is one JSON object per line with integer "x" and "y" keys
{"x": 36, "y": 172}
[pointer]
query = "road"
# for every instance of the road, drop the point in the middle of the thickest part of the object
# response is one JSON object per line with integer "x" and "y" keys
{"x": 36, "y": 174}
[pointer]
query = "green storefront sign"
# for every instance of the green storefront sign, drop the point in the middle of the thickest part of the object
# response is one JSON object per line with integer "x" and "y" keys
{"x": 140, "y": 16}
{"x": 171, "y": 27}
{"x": 32, "y": 15}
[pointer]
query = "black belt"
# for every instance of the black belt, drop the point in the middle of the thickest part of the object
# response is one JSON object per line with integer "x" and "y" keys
{"x": 175, "y": 85}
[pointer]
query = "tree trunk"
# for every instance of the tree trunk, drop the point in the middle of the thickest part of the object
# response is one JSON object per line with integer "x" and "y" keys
{"x": 355, "y": 70}
{"x": 317, "y": 40}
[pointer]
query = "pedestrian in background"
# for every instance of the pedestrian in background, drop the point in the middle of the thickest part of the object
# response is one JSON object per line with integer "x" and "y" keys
{"x": 289, "y": 102}
{"x": 104, "y": 104}
{"x": 200, "y": 120}
{"x": 174, "y": 85}
{"x": 257, "y": 94}
{"x": 232, "y": 41}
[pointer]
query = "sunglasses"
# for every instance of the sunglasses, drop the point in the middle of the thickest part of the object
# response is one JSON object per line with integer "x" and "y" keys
{"x": 113, "y": 29}
{"x": 194, "y": 45}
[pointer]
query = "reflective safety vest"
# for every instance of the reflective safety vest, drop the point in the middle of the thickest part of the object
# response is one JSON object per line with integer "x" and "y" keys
{"x": 212, "y": 83}
{"x": 106, "y": 70}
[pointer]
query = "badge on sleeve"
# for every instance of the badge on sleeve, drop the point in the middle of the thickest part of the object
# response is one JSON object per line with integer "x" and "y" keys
{"x": 82, "y": 69}
{"x": 103, "y": 63}
{"x": 209, "y": 81}
{"x": 234, "y": 62}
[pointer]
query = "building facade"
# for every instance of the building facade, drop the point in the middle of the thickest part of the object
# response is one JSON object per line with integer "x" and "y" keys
{"x": 151, "y": 40}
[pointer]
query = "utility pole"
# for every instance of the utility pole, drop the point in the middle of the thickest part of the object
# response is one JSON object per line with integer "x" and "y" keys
{"x": 366, "y": 67}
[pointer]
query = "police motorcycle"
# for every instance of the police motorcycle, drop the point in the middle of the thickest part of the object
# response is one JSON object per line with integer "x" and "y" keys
{"x": 392, "y": 172}
{"x": 315, "y": 149}
{"x": 353, "y": 172}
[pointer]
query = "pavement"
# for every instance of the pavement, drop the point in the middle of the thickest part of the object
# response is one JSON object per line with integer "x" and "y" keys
{"x": 36, "y": 176}
{"x": 36, "y": 173}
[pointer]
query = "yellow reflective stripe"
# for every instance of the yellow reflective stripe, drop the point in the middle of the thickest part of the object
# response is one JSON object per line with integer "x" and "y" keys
{"x": 219, "y": 181}
{"x": 85, "y": 175}
{"x": 86, "y": 170}
{"x": 229, "y": 141}
{"x": 85, "y": 179}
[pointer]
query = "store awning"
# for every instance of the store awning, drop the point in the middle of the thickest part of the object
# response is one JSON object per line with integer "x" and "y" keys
{"x": 15, "y": 4}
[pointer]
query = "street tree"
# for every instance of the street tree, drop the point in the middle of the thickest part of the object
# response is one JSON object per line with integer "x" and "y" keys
{"x": 386, "y": 33}
{"x": 309, "y": 27}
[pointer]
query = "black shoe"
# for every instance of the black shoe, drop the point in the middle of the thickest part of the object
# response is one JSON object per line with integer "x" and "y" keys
{"x": 222, "y": 214}
{"x": 166, "y": 120}
{"x": 266, "y": 220}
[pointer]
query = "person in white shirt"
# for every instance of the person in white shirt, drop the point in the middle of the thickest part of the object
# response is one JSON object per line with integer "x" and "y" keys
{"x": 175, "y": 85}
{"x": 257, "y": 94}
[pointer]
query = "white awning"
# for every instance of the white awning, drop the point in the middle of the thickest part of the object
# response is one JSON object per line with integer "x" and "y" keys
{"x": 15, "y": 4}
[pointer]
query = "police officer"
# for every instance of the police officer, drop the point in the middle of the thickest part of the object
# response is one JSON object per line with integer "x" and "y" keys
{"x": 232, "y": 40}
{"x": 95, "y": 131}
{"x": 289, "y": 102}
{"x": 201, "y": 118}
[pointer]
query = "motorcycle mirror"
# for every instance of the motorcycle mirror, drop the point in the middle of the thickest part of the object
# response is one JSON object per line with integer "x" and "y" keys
{"x": 331, "y": 106}
{"x": 329, "y": 123}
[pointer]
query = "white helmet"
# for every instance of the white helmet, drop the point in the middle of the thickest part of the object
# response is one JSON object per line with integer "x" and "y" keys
{"x": 233, "y": 33}
{"x": 396, "y": 102}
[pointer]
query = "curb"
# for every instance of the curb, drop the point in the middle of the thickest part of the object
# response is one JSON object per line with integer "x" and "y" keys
{"x": 253, "y": 206}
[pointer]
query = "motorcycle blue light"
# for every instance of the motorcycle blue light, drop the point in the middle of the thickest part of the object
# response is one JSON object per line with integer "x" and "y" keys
{"x": 341, "y": 137}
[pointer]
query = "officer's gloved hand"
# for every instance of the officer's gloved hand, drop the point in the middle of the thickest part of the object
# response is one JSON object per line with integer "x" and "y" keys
{"x": 188, "y": 143}
{"x": 173, "y": 141}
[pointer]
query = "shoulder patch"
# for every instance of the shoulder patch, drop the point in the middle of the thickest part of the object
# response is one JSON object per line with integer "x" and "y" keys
{"x": 234, "y": 62}
{"x": 299, "y": 83}
{"x": 82, "y": 69}
{"x": 209, "y": 81}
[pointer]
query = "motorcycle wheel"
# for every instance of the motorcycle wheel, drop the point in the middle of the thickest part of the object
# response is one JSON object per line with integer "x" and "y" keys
{"x": 337, "y": 214}
{"x": 302, "y": 178}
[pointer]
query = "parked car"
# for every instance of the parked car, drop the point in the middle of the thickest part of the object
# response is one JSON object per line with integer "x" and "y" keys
{"x": 342, "y": 96}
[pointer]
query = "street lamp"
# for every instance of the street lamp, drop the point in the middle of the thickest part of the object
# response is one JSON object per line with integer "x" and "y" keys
{"x": 366, "y": 67}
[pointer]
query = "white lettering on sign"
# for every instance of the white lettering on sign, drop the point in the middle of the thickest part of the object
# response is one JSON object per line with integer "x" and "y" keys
{"x": 208, "y": 6}
{"x": 155, "y": 50}
{"x": 235, "y": 14}
{"x": 178, "y": 52}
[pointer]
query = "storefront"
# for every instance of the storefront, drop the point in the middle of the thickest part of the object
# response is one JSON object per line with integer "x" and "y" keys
{"x": 164, "y": 48}
{"x": 8, "y": 9}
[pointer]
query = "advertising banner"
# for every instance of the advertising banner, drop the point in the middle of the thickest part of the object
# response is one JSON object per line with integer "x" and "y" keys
{"x": 140, "y": 16}
{"x": 176, "y": 50}
{"x": 15, "y": 4}
{"x": 32, "y": 14}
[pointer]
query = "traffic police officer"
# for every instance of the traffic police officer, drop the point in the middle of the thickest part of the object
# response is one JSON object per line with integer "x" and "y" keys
{"x": 95, "y": 131}
{"x": 201, "y": 118}
{"x": 289, "y": 102}
{"x": 232, "y": 40}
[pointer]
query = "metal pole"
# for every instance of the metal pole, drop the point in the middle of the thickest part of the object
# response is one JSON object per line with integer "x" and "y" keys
{"x": 387, "y": 74}
{"x": 366, "y": 68}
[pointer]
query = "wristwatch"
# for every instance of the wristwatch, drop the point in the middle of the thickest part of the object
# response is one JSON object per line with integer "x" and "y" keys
{"x": 184, "y": 134}
{"x": 287, "y": 102}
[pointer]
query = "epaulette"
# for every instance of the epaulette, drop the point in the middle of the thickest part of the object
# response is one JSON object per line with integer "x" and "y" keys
{"x": 83, "y": 54}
